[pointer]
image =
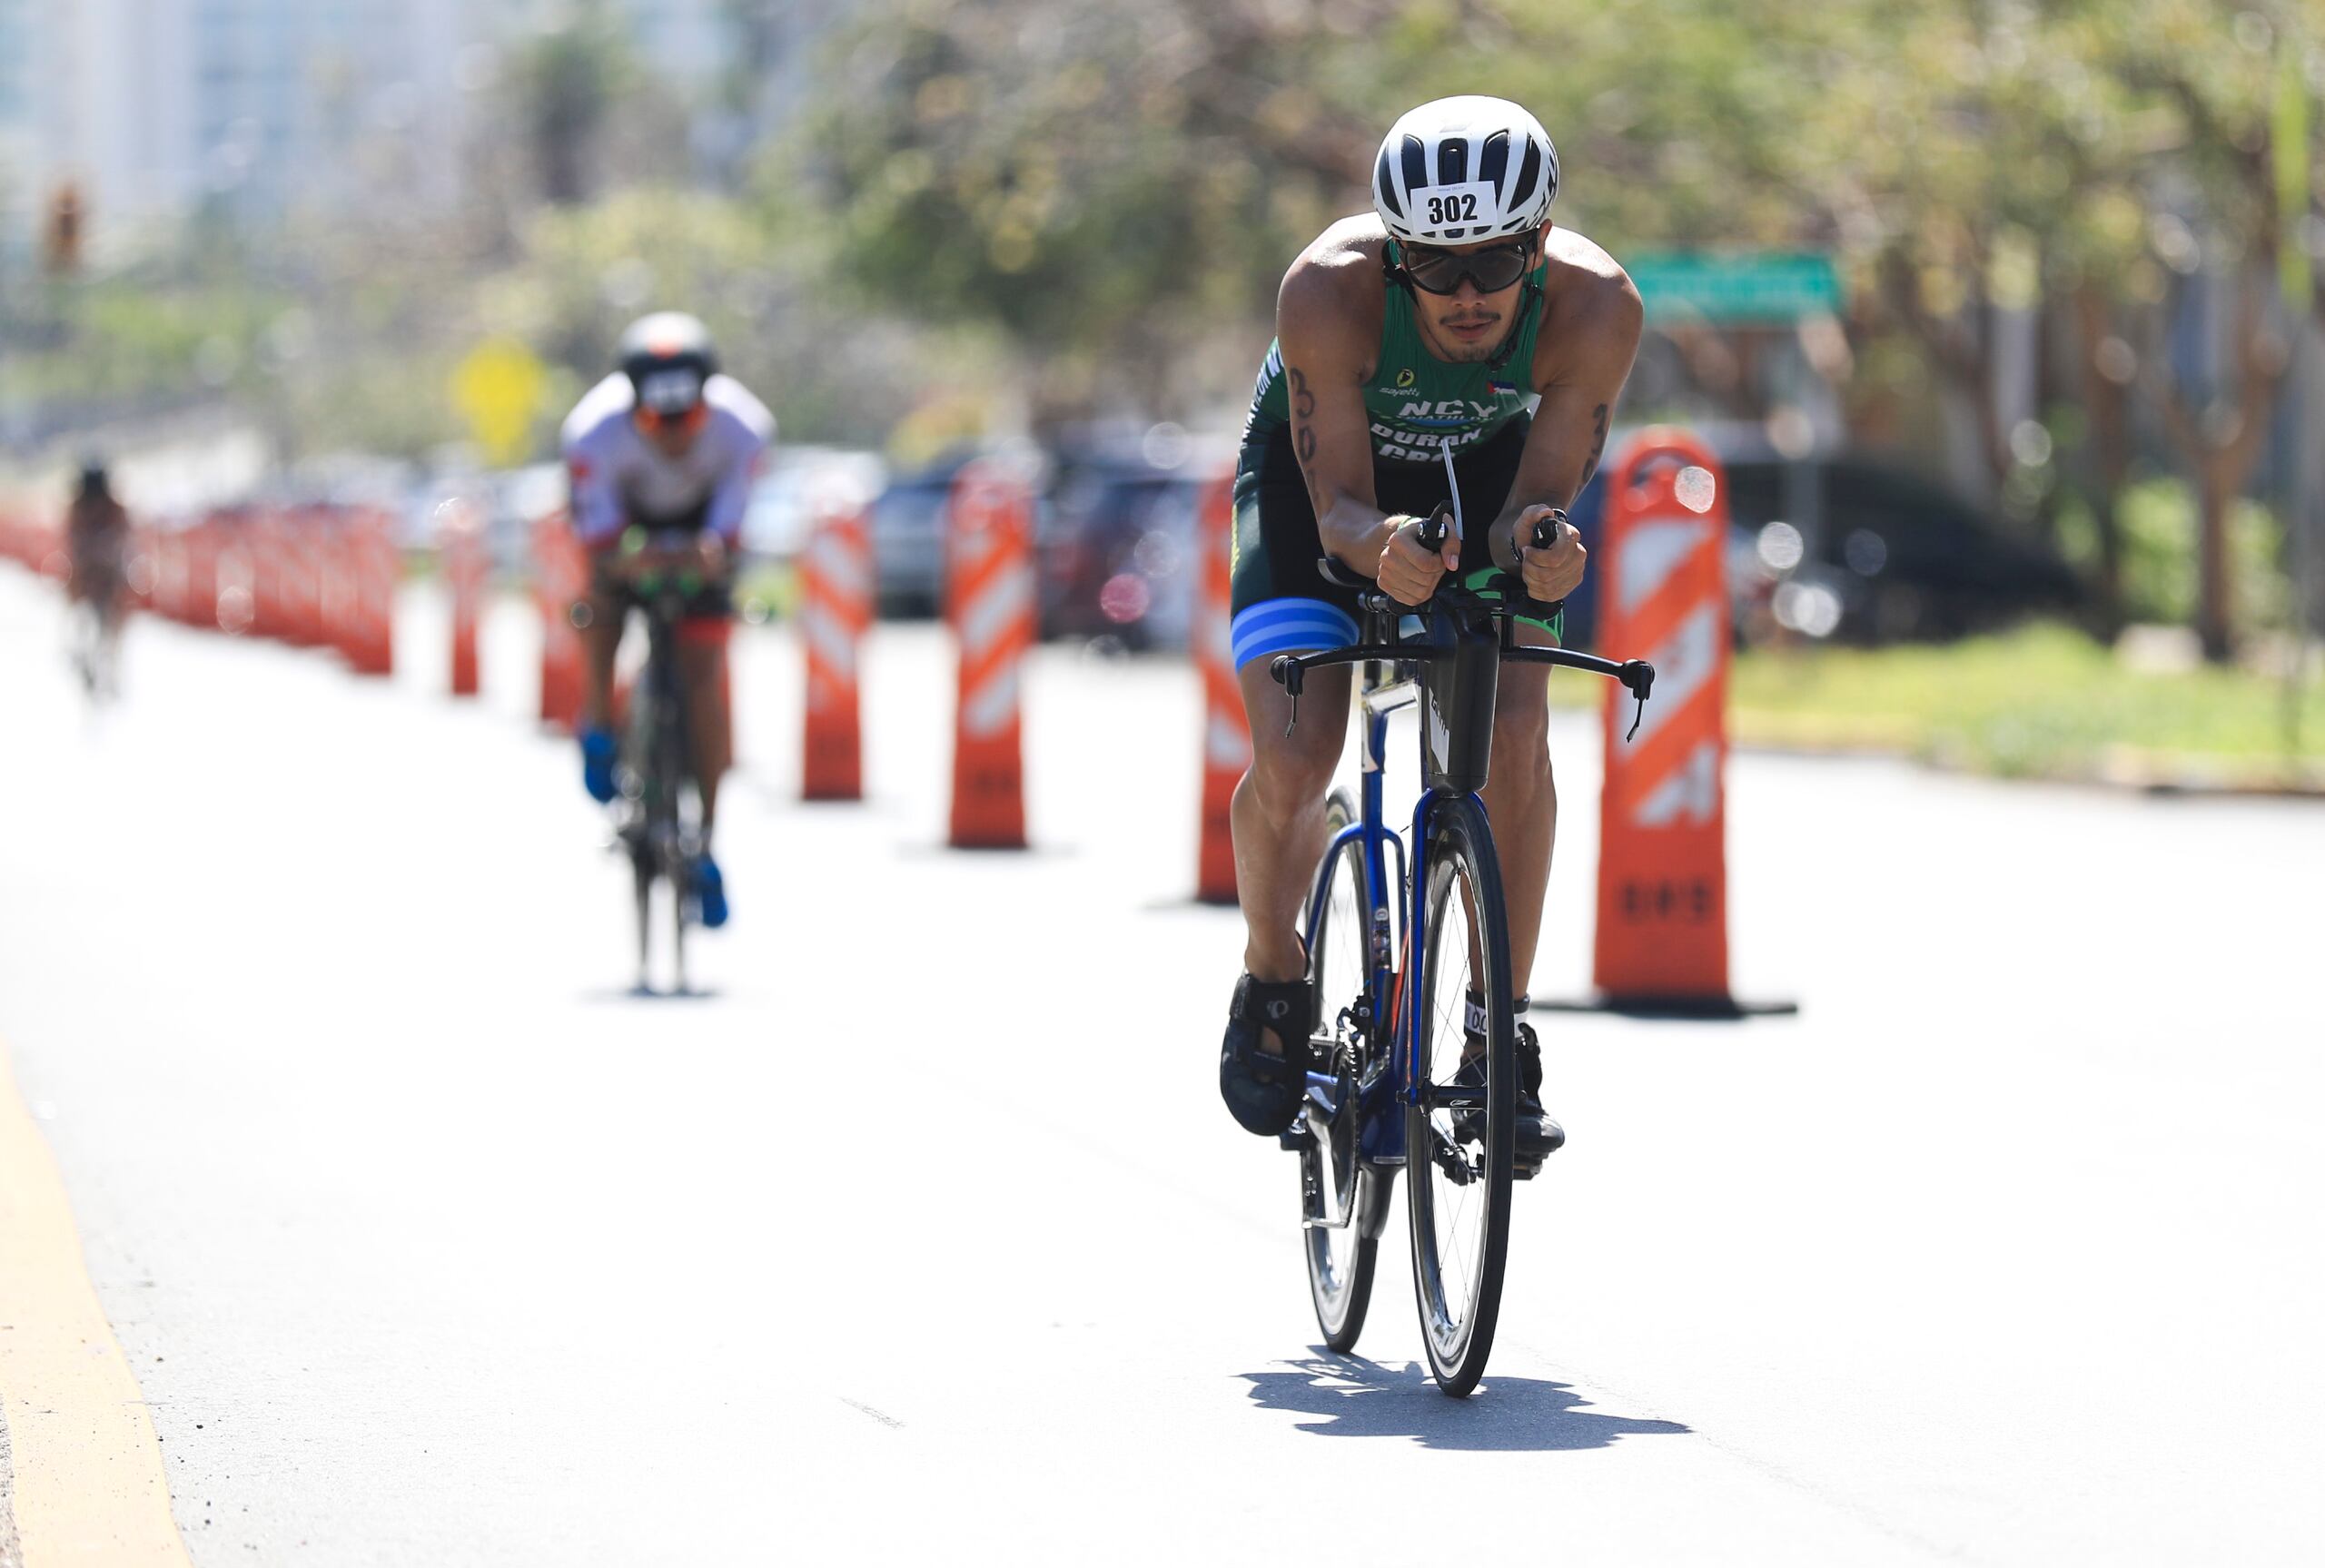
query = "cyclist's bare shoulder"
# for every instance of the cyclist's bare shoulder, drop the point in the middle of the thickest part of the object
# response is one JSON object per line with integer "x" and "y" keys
{"x": 1332, "y": 298}
{"x": 1590, "y": 310}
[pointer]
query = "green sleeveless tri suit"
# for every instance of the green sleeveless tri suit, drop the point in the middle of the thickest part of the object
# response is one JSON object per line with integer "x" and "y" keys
{"x": 1419, "y": 404}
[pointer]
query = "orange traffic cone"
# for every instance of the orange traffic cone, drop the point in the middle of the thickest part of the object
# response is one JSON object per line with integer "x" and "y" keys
{"x": 989, "y": 546}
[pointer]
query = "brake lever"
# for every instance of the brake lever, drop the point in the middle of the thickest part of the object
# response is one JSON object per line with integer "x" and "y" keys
{"x": 1288, "y": 674}
{"x": 1639, "y": 678}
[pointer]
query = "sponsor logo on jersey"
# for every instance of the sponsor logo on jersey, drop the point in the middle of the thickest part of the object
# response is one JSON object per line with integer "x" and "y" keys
{"x": 1452, "y": 413}
{"x": 1404, "y": 378}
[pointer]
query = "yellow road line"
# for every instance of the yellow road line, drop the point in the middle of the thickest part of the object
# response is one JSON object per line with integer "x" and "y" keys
{"x": 88, "y": 1487}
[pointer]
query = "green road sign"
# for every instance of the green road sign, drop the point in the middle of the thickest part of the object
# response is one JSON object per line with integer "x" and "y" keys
{"x": 1748, "y": 288}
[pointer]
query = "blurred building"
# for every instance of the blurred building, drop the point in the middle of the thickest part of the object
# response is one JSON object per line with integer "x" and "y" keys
{"x": 156, "y": 109}
{"x": 257, "y": 109}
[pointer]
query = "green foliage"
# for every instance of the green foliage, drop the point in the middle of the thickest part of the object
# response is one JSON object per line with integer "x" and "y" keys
{"x": 1098, "y": 182}
{"x": 116, "y": 338}
{"x": 2045, "y": 701}
{"x": 2158, "y": 520}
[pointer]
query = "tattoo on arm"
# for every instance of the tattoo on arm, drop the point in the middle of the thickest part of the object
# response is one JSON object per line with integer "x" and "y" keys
{"x": 1303, "y": 409}
{"x": 1598, "y": 443}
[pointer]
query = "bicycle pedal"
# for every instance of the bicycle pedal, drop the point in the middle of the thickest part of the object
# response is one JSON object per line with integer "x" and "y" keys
{"x": 1530, "y": 1161}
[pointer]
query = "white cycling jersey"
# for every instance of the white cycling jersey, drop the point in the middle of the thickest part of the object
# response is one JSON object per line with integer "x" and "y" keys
{"x": 618, "y": 478}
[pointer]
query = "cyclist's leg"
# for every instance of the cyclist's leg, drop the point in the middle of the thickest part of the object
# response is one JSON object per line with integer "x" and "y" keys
{"x": 1522, "y": 801}
{"x": 608, "y": 606}
{"x": 1520, "y": 796}
{"x": 600, "y": 644}
{"x": 1282, "y": 605}
{"x": 1279, "y": 808}
{"x": 702, "y": 673}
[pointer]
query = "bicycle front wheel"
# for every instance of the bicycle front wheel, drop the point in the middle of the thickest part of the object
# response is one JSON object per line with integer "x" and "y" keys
{"x": 1460, "y": 1126}
{"x": 1337, "y": 1190}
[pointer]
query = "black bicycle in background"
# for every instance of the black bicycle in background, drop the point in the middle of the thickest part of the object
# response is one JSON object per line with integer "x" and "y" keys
{"x": 658, "y": 813}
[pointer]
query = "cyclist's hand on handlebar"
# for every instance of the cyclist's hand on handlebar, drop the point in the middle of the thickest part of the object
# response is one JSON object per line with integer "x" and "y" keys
{"x": 1554, "y": 571}
{"x": 1410, "y": 570}
{"x": 708, "y": 555}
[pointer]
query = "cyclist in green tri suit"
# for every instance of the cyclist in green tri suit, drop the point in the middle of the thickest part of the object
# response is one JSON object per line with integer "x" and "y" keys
{"x": 1410, "y": 340}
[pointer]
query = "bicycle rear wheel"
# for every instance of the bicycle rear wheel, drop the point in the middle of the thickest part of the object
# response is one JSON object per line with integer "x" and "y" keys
{"x": 641, "y": 873}
{"x": 1337, "y": 1193}
{"x": 1461, "y": 1128}
{"x": 681, "y": 878}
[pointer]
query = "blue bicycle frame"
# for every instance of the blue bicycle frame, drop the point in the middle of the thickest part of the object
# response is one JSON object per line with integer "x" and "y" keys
{"x": 1382, "y": 1097}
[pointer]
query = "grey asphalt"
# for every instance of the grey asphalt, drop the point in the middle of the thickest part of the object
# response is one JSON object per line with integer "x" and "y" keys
{"x": 922, "y": 1235}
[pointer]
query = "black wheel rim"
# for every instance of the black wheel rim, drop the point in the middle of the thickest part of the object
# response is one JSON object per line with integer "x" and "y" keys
{"x": 1461, "y": 1126}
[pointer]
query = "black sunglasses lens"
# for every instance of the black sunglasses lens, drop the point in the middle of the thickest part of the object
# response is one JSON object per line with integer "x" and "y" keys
{"x": 1440, "y": 272}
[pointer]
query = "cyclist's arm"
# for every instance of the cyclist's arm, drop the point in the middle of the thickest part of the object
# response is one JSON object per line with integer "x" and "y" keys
{"x": 1588, "y": 337}
{"x": 1324, "y": 318}
{"x": 597, "y": 509}
{"x": 746, "y": 441}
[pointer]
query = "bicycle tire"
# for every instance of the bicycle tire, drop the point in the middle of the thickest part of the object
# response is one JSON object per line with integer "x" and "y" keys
{"x": 1460, "y": 1161}
{"x": 679, "y": 875}
{"x": 1341, "y": 1258}
{"x": 641, "y": 870}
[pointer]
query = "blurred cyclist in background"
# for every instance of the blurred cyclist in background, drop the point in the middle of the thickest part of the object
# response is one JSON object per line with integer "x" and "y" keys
{"x": 97, "y": 537}
{"x": 661, "y": 455}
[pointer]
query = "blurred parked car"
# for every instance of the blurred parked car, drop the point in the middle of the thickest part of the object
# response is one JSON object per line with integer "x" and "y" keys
{"x": 908, "y": 539}
{"x": 1126, "y": 567}
{"x": 1114, "y": 534}
{"x": 782, "y": 511}
{"x": 1851, "y": 547}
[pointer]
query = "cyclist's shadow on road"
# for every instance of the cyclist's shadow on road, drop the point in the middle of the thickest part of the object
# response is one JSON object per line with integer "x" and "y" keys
{"x": 1358, "y": 1398}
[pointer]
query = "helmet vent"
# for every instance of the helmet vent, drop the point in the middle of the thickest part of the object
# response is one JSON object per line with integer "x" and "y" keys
{"x": 1416, "y": 161}
{"x": 1493, "y": 164}
{"x": 1530, "y": 169}
{"x": 1384, "y": 181}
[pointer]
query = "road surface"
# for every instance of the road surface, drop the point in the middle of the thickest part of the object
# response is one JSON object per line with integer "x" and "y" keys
{"x": 922, "y": 1236}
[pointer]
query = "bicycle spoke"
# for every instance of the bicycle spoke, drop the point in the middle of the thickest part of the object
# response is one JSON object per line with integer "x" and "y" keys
{"x": 1339, "y": 1256}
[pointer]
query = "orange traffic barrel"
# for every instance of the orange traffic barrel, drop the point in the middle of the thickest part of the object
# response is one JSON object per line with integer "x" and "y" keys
{"x": 1662, "y": 929}
{"x": 836, "y": 601}
{"x": 460, "y": 549}
{"x": 1226, "y": 737}
{"x": 560, "y": 577}
{"x": 990, "y": 599}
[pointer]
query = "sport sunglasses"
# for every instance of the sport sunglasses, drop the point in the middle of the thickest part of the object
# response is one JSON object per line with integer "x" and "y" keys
{"x": 651, "y": 419}
{"x": 1491, "y": 270}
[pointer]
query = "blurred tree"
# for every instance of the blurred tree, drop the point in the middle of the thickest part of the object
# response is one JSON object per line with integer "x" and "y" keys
{"x": 583, "y": 273}
{"x": 2213, "y": 101}
{"x": 1105, "y": 182}
{"x": 566, "y": 80}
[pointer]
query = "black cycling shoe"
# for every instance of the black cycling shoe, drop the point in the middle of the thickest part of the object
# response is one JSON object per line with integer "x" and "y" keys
{"x": 1263, "y": 1090}
{"x": 1538, "y": 1137}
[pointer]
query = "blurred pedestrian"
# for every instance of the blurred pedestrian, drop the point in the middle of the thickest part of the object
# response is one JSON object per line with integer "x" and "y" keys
{"x": 96, "y": 584}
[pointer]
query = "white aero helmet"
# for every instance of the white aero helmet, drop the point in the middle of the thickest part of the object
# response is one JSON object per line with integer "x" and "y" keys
{"x": 1461, "y": 170}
